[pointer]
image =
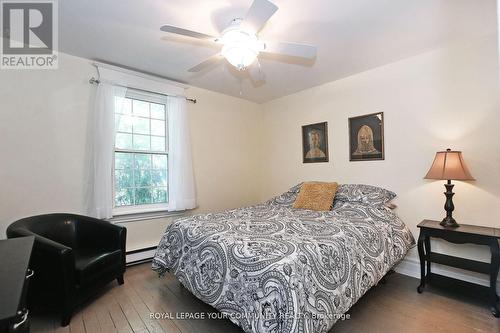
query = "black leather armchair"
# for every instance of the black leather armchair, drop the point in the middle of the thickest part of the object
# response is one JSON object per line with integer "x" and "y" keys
{"x": 73, "y": 257}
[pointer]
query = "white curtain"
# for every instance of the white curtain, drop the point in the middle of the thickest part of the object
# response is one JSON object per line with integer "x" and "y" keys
{"x": 102, "y": 149}
{"x": 182, "y": 194}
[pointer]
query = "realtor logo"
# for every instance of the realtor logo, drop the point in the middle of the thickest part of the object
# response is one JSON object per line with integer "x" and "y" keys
{"x": 29, "y": 31}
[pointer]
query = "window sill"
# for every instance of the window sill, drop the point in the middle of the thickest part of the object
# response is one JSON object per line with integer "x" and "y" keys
{"x": 131, "y": 216}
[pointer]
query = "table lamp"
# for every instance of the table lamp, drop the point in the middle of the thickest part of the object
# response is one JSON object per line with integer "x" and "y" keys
{"x": 449, "y": 165}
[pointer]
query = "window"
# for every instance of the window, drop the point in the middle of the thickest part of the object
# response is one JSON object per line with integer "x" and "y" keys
{"x": 141, "y": 153}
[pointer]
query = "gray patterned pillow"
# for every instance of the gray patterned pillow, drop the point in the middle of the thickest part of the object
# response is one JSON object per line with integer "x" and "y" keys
{"x": 368, "y": 194}
{"x": 287, "y": 198}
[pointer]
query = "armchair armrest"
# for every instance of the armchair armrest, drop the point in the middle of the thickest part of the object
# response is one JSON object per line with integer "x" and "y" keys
{"x": 101, "y": 233}
{"x": 49, "y": 247}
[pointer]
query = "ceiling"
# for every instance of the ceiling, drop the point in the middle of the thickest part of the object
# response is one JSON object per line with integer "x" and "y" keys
{"x": 351, "y": 35}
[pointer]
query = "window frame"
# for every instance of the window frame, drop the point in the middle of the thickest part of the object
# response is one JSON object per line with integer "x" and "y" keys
{"x": 144, "y": 208}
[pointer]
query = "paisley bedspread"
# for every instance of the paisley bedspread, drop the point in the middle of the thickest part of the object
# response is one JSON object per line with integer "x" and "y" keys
{"x": 272, "y": 268}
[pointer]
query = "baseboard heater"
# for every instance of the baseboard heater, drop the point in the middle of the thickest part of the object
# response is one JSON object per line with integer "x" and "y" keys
{"x": 140, "y": 256}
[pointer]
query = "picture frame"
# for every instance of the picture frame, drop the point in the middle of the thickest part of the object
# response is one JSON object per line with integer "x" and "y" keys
{"x": 315, "y": 143}
{"x": 366, "y": 137}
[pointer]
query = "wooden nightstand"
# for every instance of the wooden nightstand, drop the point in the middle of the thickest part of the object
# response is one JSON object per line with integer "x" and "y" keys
{"x": 463, "y": 234}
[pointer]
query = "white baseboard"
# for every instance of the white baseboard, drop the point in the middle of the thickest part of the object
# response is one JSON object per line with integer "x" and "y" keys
{"x": 138, "y": 256}
{"x": 411, "y": 268}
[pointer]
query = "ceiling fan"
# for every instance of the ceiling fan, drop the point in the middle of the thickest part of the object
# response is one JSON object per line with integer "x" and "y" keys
{"x": 240, "y": 43}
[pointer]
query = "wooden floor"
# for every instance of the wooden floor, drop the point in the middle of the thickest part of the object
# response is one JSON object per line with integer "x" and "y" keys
{"x": 391, "y": 307}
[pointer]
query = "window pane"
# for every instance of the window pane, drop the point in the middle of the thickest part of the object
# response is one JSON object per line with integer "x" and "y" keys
{"x": 158, "y": 127}
{"x": 141, "y": 126}
{"x": 158, "y": 143}
{"x": 142, "y": 196}
{"x": 160, "y": 161}
{"x": 159, "y": 177}
{"x": 141, "y": 142}
{"x": 124, "y": 178}
{"x": 143, "y": 161}
{"x": 160, "y": 195}
{"x": 123, "y": 123}
{"x": 123, "y": 141}
{"x": 124, "y": 197}
{"x": 157, "y": 111}
{"x": 123, "y": 105}
{"x": 142, "y": 178}
{"x": 141, "y": 108}
{"x": 123, "y": 160}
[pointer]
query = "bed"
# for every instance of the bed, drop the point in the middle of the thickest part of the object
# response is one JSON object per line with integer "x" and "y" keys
{"x": 273, "y": 268}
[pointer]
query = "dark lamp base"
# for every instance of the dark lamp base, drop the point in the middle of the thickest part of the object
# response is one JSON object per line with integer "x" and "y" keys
{"x": 449, "y": 222}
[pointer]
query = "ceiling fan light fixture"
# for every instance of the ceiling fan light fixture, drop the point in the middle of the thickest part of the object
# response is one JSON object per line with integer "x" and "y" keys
{"x": 240, "y": 47}
{"x": 239, "y": 56}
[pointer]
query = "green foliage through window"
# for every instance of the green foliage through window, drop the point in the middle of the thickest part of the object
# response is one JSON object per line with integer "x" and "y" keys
{"x": 141, "y": 158}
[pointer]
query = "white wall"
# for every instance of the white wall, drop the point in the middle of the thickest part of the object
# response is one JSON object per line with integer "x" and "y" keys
{"x": 440, "y": 99}
{"x": 43, "y": 119}
{"x": 43, "y": 135}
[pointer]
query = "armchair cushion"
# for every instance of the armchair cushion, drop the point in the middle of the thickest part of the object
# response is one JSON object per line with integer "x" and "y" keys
{"x": 93, "y": 265}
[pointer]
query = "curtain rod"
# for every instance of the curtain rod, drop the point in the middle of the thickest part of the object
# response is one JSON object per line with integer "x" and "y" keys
{"x": 96, "y": 81}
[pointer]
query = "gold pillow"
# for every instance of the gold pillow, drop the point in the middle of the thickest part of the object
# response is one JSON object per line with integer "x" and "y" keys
{"x": 316, "y": 196}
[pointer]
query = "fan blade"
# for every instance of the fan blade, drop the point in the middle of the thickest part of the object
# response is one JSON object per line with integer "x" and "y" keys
{"x": 260, "y": 11}
{"x": 290, "y": 49}
{"x": 256, "y": 73}
{"x": 206, "y": 64}
{"x": 185, "y": 32}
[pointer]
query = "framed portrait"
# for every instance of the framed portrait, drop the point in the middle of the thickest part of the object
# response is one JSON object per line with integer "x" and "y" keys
{"x": 315, "y": 143}
{"x": 366, "y": 137}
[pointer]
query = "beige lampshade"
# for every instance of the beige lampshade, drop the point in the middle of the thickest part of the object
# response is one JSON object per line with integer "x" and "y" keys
{"x": 449, "y": 165}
